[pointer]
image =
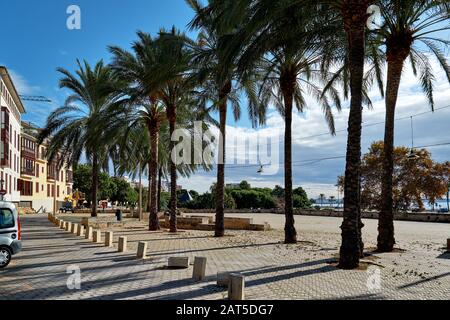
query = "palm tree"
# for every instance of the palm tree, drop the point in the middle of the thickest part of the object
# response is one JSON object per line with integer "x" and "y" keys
{"x": 79, "y": 125}
{"x": 146, "y": 75}
{"x": 290, "y": 71}
{"x": 175, "y": 94}
{"x": 409, "y": 28}
{"x": 217, "y": 75}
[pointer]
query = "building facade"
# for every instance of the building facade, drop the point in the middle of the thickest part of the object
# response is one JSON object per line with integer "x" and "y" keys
{"x": 42, "y": 183}
{"x": 10, "y": 148}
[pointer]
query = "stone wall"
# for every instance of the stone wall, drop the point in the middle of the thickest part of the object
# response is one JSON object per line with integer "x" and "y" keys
{"x": 420, "y": 216}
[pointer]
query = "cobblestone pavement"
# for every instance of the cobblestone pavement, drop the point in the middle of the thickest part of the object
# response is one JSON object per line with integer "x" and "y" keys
{"x": 419, "y": 269}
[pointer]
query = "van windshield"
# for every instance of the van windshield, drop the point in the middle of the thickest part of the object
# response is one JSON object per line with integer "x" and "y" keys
{"x": 6, "y": 219}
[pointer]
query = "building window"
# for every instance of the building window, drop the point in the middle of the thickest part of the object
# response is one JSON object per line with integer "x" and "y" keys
{"x": 26, "y": 188}
{"x": 48, "y": 190}
{"x": 57, "y": 193}
{"x": 37, "y": 187}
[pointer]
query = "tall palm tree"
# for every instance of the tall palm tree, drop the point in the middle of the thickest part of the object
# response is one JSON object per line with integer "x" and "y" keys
{"x": 175, "y": 94}
{"x": 217, "y": 74}
{"x": 79, "y": 126}
{"x": 143, "y": 71}
{"x": 290, "y": 71}
{"x": 351, "y": 16}
{"x": 409, "y": 29}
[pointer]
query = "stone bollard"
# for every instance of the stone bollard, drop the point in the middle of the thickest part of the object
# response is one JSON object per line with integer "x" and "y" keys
{"x": 199, "y": 268}
{"x": 63, "y": 225}
{"x": 109, "y": 237}
{"x": 123, "y": 244}
{"x": 88, "y": 234}
{"x": 178, "y": 262}
{"x": 60, "y": 223}
{"x": 142, "y": 250}
{"x": 236, "y": 287}
{"x": 223, "y": 279}
{"x": 74, "y": 228}
{"x": 448, "y": 244}
{"x": 97, "y": 236}
{"x": 80, "y": 232}
{"x": 69, "y": 226}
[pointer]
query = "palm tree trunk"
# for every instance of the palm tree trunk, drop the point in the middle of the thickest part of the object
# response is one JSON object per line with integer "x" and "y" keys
{"x": 159, "y": 188}
{"x": 173, "y": 177}
{"x": 153, "y": 172}
{"x": 140, "y": 192}
{"x": 220, "y": 188}
{"x": 386, "y": 239}
{"x": 149, "y": 191}
{"x": 354, "y": 14}
{"x": 94, "y": 185}
{"x": 289, "y": 229}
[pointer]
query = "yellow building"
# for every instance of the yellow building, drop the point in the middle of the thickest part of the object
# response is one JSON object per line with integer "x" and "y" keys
{"x": 41, "y": 184}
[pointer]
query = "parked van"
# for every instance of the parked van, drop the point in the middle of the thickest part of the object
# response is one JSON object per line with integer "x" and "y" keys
{"x": 10, "y": 243}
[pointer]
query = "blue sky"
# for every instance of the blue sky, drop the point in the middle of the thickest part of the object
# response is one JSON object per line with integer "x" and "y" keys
{"x": 35, "y": 41}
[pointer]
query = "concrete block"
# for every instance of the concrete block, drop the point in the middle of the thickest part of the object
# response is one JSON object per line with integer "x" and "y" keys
{"x": 199, "y": 272}
{"x": 109, "y": 237}
{"x": 142, "y": 250}
{"x": 96, "y": 236}
{"x": 223, "y": 279}
{"x": 88, "y": 234}
{"x": 123, "y": 243}
{"x": 69, "y": 226}
{"x": 178, "y": 262}
{"x": 80, "y": 232}
{"x": 236, "y": 287}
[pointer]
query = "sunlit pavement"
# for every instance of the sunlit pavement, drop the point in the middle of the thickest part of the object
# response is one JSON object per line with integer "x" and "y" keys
{"x": 273, "y": 270}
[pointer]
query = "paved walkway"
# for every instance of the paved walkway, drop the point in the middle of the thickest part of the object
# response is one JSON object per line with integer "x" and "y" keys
{"x": 273, "y": 270}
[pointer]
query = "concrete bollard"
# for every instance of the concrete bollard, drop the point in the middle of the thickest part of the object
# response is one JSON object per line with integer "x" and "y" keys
{"x": 199, "y": 272}
{"x": 109, "y": 236}
{"x": 142, "y": 250}
{"x": 74, "y": 228}
{"x": 236, "y": 287}
{"x": 60, "y": 223}
{"x": 223, "y": 279}
{"x": 80, "y": 232}
{"x": 69, "y": 226}
{"x": 178, "y": 262}
{"x": 88, "y": 234}
{"x": 63, "y": 225}
{"x": 123, "y": 242}
{"x": 97, "y": 236}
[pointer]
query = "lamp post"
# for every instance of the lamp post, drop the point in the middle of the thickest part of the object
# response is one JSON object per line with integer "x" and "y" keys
{"x": 448, "y": 197}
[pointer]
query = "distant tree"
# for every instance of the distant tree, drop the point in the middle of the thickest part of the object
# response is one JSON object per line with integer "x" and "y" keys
{"x": 244, "y": 185}
{"x": 278, "y": 192}
{"x": 413, "y": 180}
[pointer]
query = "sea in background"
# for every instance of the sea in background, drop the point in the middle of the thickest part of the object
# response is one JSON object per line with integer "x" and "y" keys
{"x": 440, "y": 204}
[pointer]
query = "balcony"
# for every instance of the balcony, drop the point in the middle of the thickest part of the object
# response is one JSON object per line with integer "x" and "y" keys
{"x": 51, "y": 175}
{"x": 28, "y": 171}
{"x": 69, "y": 177}
{"x": 28, "y": 153}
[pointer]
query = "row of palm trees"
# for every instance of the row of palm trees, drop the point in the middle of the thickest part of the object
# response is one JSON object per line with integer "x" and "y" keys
{"x": 275, "y": 53}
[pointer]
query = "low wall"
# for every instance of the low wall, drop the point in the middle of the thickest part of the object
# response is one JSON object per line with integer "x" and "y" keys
{"x": 419, "y": 216}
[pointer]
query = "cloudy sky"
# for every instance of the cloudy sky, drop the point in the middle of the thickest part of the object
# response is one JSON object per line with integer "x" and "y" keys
{"x": 39, "y": 42}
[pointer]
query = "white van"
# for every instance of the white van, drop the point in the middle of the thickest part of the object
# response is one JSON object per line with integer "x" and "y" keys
{"x": 10, "y": 243}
